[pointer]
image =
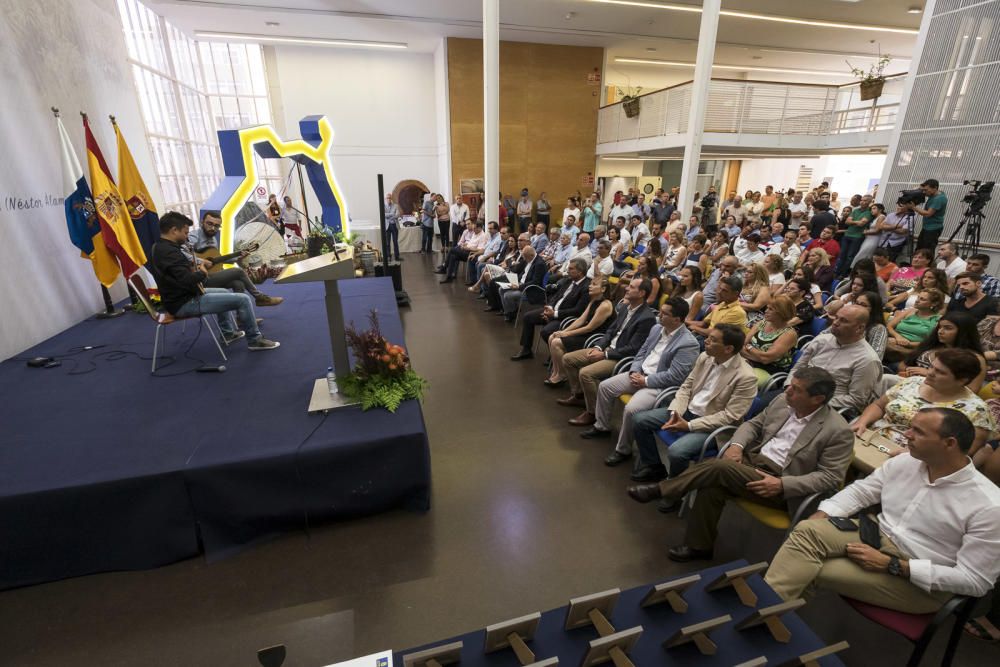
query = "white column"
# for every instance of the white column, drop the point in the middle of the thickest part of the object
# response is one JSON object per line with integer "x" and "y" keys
{"x": 699, "y": 104}
{"x": 491, "y": 106}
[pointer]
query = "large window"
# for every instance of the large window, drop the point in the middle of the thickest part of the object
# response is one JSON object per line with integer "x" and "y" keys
{"x": 187, "y": 91}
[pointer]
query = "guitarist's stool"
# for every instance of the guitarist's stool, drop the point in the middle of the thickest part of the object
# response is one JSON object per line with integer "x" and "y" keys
{"x": 162, "y": 319}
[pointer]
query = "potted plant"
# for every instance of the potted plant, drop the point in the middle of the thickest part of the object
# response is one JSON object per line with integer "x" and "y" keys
{"x": 630, "y": 100}
{"x": 872, "y": 79}
{"x": 382, "y": 376}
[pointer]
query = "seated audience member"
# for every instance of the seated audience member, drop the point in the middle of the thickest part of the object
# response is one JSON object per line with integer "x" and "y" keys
{"x": 638, "y": 230}
{"x": 929, "y": 279}
{"x": 906, "y": 278}
{"x": 618, "y": 247}
{"x": 552, "y": 247}
{"x": 756, "y": 293}
{"x": 472, "y": 243}
{"x": 974, "y": 301}
{"x": 732, "y": 227}
{"x": 602, "y": 263}
{"x": 581, "y": 250}
{"x": 726, "y": 311}
{"x": 595, "y": 318}
{"x": 570, "y": 228}
{"x": 676, "y": 252}
{"x": 693, "y": 227}
{"x": 826, "y": 243}
{"x": 876, "y": 332}
{"x": 688, "y": 287}
{"x": 814, "y": 295}
{"x": 895, "y": 230}
{"x": 513, "y": 262}
{"x": 950, "y": 262}
{"x": 953, "y": 330}
{"x": 798, "y": 446}
{"x": 788, "y": 250}
{"x": 858, "y": 285}
{"x": 508, "y": 254}
{"x": 797, "y": 291}
{"x": 567, "y": 299}
{"x": 647, "y": 270}
{"x": 717, "y": 249}
{"x": 843, "y": 351}
{"x": 728, "y": 266}
{"x": 562, "y": 252}
{"x": 696, "y": 255}
{"x": 771, "y": 341}
{"x": 183, "y": 291}
{"x": 504, "y": 297}
{"x": 817, "y": 260}
{"x": 863, "y": 266}
{"x": 977, "y": 264}
{"x": 938, "y": 524}
{"x": 908, "y": 328}
{"x": 775, "y": 273}
{"x": 586, "y": 368}
{"x": 884, "y": 267}
{"x": 540, "y": 239}
{"x": 945, "y": 385}
{"x": 664, "y": 360}
{"x": 495, "y": 241}
{"x": 236, "y": 279}
{"x": 718, "y": 391}
{"x": 750, "y": 253}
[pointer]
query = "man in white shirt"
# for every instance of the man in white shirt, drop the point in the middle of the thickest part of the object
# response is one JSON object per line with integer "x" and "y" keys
{"x": 471, "y": 244}
{"x": 799, "y": 211}
{"x": 581, "y": 250}
{"x": 939, "y": 527}
{"x": 950, "y": 263}
{"x": 788, "y": 249}
{"x": 602, "y": 262}
{"x": 798, "y": 446}
{"x": 751, "y": 252}
{"x": 621, "y": 209}
{"x": 459, "y": 214}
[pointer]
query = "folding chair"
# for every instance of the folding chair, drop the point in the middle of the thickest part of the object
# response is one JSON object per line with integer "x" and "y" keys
{"x": 162, "y": 319}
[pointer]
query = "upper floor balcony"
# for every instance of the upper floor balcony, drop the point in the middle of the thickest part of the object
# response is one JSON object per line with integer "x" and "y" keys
{"x": 778, "y": 117}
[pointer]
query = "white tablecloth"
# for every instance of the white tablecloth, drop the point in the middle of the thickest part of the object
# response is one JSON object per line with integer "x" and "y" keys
{"x": 409, "y": 238}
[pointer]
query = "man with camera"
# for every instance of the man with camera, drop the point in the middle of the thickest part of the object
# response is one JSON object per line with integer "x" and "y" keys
{"x": 932, "y": 213}
{"x": 709, "y": 211}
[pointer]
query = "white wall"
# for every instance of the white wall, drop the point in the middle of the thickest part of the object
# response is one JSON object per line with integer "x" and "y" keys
{"x": 851, "y": 173}
{"x": 384, "y": 111}
{"x": 70, "y": 55}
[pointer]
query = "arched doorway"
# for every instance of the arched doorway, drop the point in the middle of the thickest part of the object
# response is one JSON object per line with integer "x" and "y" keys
{"x": 409, "y": 195}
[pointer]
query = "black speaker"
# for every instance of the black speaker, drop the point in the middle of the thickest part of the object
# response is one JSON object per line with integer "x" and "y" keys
{"x": 393, "y": 271}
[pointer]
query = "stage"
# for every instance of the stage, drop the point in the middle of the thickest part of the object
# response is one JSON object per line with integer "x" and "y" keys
{"x": 105, "y": 467}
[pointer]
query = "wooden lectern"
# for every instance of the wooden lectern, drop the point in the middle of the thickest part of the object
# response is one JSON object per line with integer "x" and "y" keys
{"x": 329, "y": 269}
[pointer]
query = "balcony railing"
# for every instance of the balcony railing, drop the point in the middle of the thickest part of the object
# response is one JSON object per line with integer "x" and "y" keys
{"x": 755, "y": 107}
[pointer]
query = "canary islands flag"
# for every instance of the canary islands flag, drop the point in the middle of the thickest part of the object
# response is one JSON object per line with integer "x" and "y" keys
{"x": 81, "y": 216}
{"x": 137, "y": 200}
{"x": 116, "y": 225}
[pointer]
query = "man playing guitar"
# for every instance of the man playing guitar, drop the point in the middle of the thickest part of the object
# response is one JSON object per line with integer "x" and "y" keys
{"x": 183, "y": 291}
{"x": 236, "y": 279}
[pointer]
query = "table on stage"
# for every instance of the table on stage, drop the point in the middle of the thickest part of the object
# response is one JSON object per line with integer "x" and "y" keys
{"x": 409, "y": 237}
{"x": 659, "y": 622}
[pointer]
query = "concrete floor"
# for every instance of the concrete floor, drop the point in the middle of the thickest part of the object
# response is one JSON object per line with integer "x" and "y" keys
{"x": 525, "y": 515}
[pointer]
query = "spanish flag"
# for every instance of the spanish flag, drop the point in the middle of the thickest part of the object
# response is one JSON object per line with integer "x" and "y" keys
{"x": 81, "y": 216}
{"x": 137, "y": 200}
{"x": 116, "y": 225}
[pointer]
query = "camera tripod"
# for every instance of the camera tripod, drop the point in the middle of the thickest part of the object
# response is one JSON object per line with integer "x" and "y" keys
{"x": 972, "y": 222}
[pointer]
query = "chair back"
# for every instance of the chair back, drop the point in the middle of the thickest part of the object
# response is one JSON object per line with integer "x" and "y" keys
{"x": 139, "y": 287}
{"x": 819, "y": 325}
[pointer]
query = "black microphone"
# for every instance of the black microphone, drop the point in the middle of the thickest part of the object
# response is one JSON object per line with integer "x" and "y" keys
{"x": 211, "y": 369}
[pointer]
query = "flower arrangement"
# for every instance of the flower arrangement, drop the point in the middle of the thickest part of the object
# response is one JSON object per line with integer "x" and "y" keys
{"x": 382, "y": 376}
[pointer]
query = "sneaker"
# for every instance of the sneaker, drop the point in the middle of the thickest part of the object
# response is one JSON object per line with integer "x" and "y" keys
{"x": 265, "y": 300}
{"x": 261, "y": 343}
{"x": 230, "y": 338}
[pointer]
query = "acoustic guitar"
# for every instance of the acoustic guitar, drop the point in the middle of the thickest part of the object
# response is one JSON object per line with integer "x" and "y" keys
{"x": 217, "y": 259}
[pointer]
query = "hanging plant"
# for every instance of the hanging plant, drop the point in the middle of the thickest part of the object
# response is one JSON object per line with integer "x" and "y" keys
{"x": 871, "y": 80}
{"x": 630, "y": 100}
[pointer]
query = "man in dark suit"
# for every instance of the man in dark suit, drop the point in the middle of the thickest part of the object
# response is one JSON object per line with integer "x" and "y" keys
{"x": 505, "y": 297}
{"x": 569, "y": 299}
{"x": 796, "y": 447}
{"x": 586, "y": 369}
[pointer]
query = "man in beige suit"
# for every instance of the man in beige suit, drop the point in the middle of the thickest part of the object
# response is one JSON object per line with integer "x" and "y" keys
{"x": 796, "y": 447}
{"x": 717, "y": 392}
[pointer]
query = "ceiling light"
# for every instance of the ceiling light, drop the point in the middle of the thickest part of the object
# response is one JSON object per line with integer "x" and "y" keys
{"x": 914, "y": 10}
{"x": 737, "y": 68}
{"x": 271, "y": 23}
{"x": 650, "y": 48}
{"x": 760, "y": 17}
{"x": 298, "y": 40}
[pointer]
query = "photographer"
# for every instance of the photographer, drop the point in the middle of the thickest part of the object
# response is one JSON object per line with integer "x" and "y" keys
{"x": 932, "y": 214}
{"x": 709, "y": 211}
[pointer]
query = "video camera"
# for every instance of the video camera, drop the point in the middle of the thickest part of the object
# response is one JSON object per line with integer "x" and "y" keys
{"x": 977, "y": 197}
{"x": 710, "y": 200}
{"x": 911, "y": 197}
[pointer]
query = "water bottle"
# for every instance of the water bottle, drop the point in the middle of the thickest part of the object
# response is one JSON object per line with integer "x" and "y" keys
{"x": 331, "y": 381}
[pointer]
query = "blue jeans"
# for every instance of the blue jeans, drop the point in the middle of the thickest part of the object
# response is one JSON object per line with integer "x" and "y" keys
{"x": 427, "y": 238}
{"x": 221, "y": 302}
{"x": 685, "y": 449}
{"x": 849, "y": 247}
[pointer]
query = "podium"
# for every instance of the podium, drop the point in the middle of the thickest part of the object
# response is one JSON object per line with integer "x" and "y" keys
{"x": 328, "y": 269}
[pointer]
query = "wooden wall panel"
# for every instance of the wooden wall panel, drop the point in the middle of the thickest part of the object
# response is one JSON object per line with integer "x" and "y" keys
{"x": 548, "y": 115}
